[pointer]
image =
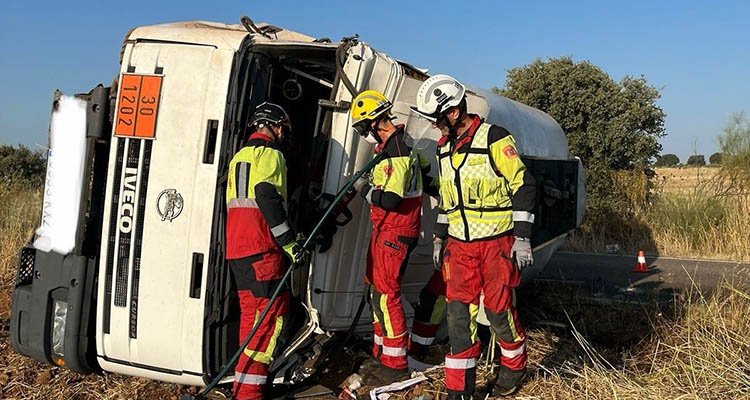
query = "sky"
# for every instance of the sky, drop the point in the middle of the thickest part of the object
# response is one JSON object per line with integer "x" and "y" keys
{"x": 696, "y": 52}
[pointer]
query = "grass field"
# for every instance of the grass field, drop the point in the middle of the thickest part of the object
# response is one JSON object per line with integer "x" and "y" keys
{"x": 685, "y": 216}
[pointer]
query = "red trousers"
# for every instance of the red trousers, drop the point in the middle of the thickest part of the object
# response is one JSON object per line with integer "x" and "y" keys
{"x": 256, "y": 278}
{"x": 386, "y": 260}
{"x": 469, "y": 269}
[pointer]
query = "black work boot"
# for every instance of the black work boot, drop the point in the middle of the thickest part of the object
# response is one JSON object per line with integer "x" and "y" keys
{"x": 383, "y": 375}
{"x": 508, "y": 382}
{"x": 459, "y": 397}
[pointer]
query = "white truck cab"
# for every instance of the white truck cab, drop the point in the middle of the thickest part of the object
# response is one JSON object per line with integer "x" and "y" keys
{"x": 143, "y": 287}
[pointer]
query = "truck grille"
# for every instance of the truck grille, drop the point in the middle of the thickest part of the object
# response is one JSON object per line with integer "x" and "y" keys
{"x": 126, "y": 220}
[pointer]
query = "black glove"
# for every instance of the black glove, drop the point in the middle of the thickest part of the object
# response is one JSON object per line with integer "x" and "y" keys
{"x": 296, "y": 253}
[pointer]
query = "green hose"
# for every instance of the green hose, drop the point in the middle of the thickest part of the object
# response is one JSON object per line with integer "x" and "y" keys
{"x": 308, "y": 242}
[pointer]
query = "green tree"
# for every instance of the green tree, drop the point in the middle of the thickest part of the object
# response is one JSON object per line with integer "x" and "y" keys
{"x": 696, "y": 160}
{"x": 611, "y": 125}
{"x": 615, "y": 125}
{"x": 667, "y": 160}
{"x": 715, "y": 158}
{"x": 21, "y": 164}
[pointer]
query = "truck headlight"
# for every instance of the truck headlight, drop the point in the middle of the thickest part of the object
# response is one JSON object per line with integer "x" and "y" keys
{"x": 59, "y": 316}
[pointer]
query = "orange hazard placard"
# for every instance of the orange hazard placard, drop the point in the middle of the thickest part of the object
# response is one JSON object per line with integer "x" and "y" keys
{"x": 138, "y": 105}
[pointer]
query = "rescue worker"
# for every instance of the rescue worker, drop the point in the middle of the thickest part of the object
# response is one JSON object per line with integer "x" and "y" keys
{"x": 258, "y": 240}
{"x": 484, "y": 228}
{"x": 429, "y": 312}
{"x": 394, "y": 192}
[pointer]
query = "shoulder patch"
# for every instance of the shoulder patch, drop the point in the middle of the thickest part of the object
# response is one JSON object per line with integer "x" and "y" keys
{"x": 388, "y": 170}
{"x": 510, "y": 152}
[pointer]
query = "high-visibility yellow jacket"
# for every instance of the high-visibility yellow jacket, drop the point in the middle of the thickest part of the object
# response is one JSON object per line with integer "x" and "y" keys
{"x": 256, "y": 199}
{"x": 397, "y": 185}
{"x": 485, "y": 189}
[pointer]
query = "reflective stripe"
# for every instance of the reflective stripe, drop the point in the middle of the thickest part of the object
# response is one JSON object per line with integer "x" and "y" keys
{"x": 242, "y": 203}
{"x": 426, "y": 341}
{"x": 394, "y": 351}
{"x": 523, "y": 216}
{"x": 249, "y": 379}
{"x": 641, "y": 259}
{"x": 460, "y": 363}
{"x": 512, "y": 326}
{"x": 512, "y": 353}
{"x": 387, "y": 325}
{"x": 243, "y": 175}
{"x": 378, "y": 340}
{"x": 442, "y": 218}
{"x": 266, "y": 357}
{"x": 473, "y": 313}
{"x": 280, "y": 229}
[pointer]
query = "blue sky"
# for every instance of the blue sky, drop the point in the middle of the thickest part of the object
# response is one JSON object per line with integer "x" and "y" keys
{"x": 697, "y": 52}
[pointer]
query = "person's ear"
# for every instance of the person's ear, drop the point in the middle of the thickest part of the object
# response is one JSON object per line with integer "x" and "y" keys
{"x": 454, "y": 113}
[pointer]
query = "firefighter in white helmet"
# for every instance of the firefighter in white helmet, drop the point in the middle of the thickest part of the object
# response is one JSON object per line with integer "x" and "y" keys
{"x": 483, "y": 233}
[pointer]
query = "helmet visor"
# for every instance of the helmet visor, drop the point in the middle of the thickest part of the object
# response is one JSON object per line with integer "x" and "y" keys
{"x": 421, "y": 132}
{"x": 432, "y": 117}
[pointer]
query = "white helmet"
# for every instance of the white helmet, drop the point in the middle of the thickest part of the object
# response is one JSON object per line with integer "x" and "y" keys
{"x": 437, "y": 94}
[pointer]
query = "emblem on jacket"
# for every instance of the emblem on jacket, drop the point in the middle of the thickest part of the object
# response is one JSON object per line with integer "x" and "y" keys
{"x": 169, "y": 204}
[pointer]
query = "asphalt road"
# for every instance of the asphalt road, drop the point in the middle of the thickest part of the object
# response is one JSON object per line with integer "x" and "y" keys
{"x": 664, "y": 274}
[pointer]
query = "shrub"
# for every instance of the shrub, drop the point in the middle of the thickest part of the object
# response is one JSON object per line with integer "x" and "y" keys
{"x": 19, "y": 164}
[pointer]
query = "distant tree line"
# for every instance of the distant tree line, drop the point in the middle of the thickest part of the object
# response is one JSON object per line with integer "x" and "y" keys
{"x": 671, "y": 160}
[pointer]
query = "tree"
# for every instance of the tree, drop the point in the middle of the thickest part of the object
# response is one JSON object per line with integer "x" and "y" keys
{"x": 667, "y": 160}
{"x": 21, "y": 164}
{"x": 696, "y": 160}
{"x": 609, "y": 124}
{"x": 715, "y": 158}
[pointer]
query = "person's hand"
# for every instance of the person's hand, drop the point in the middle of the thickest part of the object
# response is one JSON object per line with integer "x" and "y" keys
{"x": 437, "y": 254}
{"x": 521, "y": 253}
{"x": 296, "y": 253}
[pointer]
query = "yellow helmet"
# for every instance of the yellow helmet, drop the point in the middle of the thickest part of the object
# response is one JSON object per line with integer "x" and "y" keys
{"x": 369, "y": 105}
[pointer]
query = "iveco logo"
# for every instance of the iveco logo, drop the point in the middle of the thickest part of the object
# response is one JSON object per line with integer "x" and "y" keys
{"x": 169, "y": 204}
{"x": 128, "y": 197}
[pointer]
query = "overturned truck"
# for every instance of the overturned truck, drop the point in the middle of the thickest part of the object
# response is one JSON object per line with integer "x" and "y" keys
{"x": 127, "y": 272}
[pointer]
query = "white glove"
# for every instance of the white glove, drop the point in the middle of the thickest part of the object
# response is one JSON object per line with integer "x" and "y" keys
{"x": 521, "y": 253}
{"x": 437, "y": 254}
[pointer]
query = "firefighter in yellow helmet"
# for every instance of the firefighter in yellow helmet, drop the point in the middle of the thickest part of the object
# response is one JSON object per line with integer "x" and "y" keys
{"x": 394, "y": 192}
{"x": 259, "y": 239}
{"x": 487, "y": 198}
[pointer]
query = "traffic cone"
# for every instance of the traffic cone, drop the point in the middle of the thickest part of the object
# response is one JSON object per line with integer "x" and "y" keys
{"x": 641, "y": 266}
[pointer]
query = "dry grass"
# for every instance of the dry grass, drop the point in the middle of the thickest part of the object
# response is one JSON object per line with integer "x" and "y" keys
{"x": 699, "y": 353}
{"x": 687, "y": 216}
{"x": 684, "y": 179}
{"x": 22, "y": 377}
